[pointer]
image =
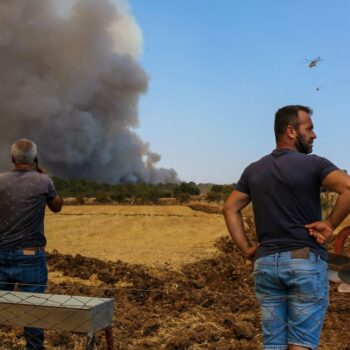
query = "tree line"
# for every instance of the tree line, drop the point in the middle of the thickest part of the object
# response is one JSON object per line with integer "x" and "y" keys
{"x": 138, "y": 192}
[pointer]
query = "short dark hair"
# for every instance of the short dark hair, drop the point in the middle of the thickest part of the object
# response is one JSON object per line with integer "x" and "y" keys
{"x": 288, "y": 115}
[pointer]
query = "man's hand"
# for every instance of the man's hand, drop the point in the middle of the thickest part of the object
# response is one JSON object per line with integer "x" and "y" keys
{"x": 41, "y": 170}
{"x": 322, "y": 231}
{"x": 55, "y": 204}
{"x": 234, "y": 221}
{"x": 250, "y": 252}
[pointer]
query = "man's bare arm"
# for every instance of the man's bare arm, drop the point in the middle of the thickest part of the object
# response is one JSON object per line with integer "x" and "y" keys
{"x": 339, "y": 182}
{"x": 55, "y": 204}
{"x": 233, "y": 217}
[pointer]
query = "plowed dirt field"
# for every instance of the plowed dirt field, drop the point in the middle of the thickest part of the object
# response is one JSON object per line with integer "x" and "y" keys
{"x": 178, "y": 281}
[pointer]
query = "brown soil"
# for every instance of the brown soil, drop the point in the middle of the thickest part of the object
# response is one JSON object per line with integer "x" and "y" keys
{"x": 207, "y": 304}
{"x": 206, "y": 208}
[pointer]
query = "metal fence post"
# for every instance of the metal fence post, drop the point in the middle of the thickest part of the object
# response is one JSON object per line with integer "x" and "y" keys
{"x": 90, "y": 341}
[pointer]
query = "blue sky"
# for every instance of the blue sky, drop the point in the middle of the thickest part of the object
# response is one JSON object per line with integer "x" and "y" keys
{"x": 220, "y": 69}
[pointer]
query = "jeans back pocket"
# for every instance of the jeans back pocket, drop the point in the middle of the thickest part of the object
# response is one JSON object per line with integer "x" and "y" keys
{"x": 305, "y": 283}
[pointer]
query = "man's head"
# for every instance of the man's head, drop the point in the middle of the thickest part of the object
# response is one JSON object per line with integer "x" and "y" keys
{"x": 294, "y": 127}
{"x": 23, "y": 151}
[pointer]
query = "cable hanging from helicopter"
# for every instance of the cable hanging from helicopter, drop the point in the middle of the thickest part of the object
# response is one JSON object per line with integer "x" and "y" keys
{"x": 312, "y": 64}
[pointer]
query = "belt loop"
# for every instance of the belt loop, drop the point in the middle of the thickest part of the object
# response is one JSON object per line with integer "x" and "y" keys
{"x": 316, "y": 257}
{"x": 31, "y": 250}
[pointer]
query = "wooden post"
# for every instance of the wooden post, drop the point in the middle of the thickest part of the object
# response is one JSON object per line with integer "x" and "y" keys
{"x": 109, "y": 338}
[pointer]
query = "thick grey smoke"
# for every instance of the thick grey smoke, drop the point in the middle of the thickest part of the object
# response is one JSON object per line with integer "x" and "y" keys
{"x": 72, "y": 84}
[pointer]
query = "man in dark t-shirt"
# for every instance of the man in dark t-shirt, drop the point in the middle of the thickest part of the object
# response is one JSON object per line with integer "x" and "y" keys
{"x": 290, "y": 269}
{"x": 24, "y": 193}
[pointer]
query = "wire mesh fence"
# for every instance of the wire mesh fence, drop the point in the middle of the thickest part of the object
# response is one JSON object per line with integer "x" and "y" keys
{"x": 76, "y": 319}
{"x": 209, "y": 304}
{"x": 71, "y": 329}
{"x": 157, "y": 311}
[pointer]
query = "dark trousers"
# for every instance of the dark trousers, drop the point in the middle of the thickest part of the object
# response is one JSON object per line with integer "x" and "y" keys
{"x": 30, "y": 272}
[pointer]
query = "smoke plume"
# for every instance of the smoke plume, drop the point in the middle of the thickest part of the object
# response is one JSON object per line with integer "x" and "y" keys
{"x": 72, "y": 84}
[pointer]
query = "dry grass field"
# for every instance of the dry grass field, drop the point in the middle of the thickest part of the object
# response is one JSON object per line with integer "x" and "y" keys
{"x": 154, "y": 236}
{"x": 150, "y": 235}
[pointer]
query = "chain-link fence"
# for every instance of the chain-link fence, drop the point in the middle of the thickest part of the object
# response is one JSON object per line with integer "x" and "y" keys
{"x": 208, "y": 304}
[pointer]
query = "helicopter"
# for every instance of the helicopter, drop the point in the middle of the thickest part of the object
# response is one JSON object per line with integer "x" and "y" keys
{"x": 313, "y": 62}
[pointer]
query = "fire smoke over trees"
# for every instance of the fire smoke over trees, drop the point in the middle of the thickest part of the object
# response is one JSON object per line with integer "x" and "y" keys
{"x": 72, "y": 84}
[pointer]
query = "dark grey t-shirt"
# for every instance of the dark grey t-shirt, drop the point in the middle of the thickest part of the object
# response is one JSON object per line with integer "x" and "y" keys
{"x": 285, "y": 191}
{"x": 23, "y": 197}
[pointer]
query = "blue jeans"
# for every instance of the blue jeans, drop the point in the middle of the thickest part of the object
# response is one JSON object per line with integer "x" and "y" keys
{"x": 30, "y": 272}
{"x": 293, "y": 297}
